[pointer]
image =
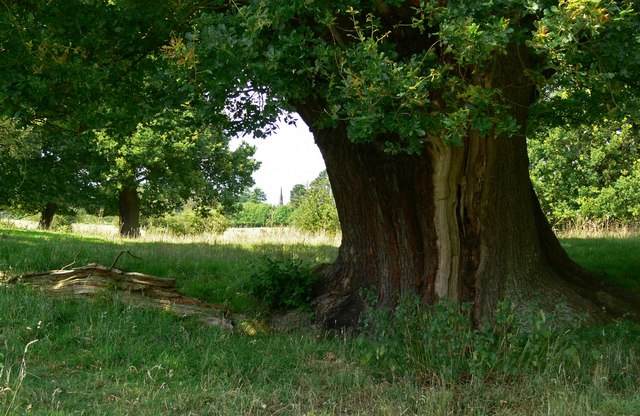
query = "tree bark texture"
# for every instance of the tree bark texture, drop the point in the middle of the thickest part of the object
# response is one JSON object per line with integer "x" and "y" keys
{"x": 46, "y": 215}
{"x": 129, "y": 210}
{"x": 460, "y": 222}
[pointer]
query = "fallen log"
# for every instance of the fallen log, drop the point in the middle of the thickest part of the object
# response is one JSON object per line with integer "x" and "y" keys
{"x": 131, "y": 288}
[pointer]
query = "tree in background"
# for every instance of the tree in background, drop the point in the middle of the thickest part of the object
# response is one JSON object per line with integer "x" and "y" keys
{"x": 252, "y": 211}
{"x": 280, "y": 216}
{"x": 255, "y": 212}
{"x": 98, "y": 69}
{"x": 40, "y": 172}
{"x": 316, "y": 209}
{"x": 254, "y": 194}
{"x": 296, "y": 195}
{"x": 168, "y": 162}
{"x": 588, "y": 174}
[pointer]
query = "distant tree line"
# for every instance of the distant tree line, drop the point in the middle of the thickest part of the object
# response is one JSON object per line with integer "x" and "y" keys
{"x": 311, "y": 208}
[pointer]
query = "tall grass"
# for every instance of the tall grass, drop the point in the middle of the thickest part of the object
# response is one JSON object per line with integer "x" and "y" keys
{"x": 102, "y": 357}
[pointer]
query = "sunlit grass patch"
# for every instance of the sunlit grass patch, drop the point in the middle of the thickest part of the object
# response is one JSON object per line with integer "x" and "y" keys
{"x": 102, "y": 357}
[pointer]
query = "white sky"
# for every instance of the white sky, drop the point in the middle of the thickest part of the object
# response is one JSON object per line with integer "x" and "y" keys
{"x": 289, "y": 157}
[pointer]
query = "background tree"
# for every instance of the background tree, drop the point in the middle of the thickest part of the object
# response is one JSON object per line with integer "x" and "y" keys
{"x": 253, "y": 214}
{"x": 168, "y": 162}
{"x": 41, "y": 173}
{"x": 254, "y": 194}
{"x": 316, "y": 209}
{"x": 296, "y": 195}
{"x": 281, "y": 216}
{"x": 588, "y": 175}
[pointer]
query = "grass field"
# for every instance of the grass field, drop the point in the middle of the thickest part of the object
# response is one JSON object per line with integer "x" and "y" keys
{"x": 102, "y": 358}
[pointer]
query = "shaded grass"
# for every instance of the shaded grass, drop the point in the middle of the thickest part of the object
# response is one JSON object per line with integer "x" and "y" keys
{"x": 215, "y": 273}
{"x": 103, "y": 358}
{"x": 617, "y": 258}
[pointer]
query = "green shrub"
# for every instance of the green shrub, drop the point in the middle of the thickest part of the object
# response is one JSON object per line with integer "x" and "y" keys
{"x": 283, "y": 283}
{"x": 62, "y": 222}
{"x": 85, "y": 218}
{"x": 280, "y": 216}
{"x": 253, "y": 214}
{"x": 190, "y": 222}
{"x": 316, "y": 208}
{"x": 440, "y": 343}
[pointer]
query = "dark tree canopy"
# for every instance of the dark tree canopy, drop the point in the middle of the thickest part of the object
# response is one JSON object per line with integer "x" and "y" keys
{"x": 93, "y": 79}
{"x": 41, "y": 172}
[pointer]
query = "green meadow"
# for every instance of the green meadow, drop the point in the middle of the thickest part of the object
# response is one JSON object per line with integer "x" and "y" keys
{"x": 100, "y": 357}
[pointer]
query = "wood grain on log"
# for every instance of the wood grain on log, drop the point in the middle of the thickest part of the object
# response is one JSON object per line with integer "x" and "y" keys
{"x": 131, "y": 288}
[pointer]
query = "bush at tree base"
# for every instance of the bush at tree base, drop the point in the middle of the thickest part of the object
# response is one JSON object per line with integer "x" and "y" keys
{"x": 189, "y": 222}
{"x": 283, "y": 283}
{"x": 440, "y": 343}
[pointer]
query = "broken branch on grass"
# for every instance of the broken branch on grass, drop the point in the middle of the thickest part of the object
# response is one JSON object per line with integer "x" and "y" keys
{"x": 120, "y": 255}
{"x": 75, "y": 260}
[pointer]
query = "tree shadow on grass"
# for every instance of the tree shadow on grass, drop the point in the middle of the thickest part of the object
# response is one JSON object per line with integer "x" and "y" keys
{"x": 215, "y": 273}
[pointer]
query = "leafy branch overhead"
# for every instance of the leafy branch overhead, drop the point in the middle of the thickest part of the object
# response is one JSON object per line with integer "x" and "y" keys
{"x": 412, "y": 72}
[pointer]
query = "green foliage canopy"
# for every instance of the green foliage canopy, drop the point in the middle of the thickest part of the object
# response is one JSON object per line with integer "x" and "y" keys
{"x": 171, "y": 161}
{"x": 411, "y": 71}
{"x": 93, "y": 78}
{"x": 39, "y": 166}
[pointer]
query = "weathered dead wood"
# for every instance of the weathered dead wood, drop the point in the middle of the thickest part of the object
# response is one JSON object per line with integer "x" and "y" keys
{"x": 131, "y": 288}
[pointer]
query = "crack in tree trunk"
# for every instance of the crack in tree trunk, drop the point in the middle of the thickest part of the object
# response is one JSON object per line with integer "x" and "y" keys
{"x": 456, "y": 222}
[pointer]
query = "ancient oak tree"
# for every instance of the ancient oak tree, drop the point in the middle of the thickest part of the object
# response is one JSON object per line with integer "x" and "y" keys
{"x": 420, "y": 110}
{"x": 419, "y": 107}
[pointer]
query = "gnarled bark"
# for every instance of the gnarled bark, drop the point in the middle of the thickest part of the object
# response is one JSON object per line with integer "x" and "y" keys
{"x": 456, "y": 222}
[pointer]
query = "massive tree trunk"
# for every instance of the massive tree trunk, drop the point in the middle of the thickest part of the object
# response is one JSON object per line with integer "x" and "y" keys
{"x": 459, "y": 222}
{"x": 129, "y": 209}
{"x": 46, "y": 215}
